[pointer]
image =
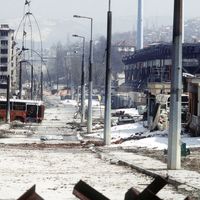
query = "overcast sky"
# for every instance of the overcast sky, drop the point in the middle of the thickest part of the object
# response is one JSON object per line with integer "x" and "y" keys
{"x": 124, "y": 12}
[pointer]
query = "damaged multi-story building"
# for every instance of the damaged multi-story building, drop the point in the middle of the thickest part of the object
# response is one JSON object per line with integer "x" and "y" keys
{"x": 8, "y": 59}
{"x": 148, "y": 72}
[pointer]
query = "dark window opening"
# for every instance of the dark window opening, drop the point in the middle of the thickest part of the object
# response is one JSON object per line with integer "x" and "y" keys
{"x": 3, "y": 69}
{"x": 4, "y": 33}
{"x": 19, "y": 106}
{"x": 3, "y": 77}
{"x": 32, "y": 111}
{"x": 4, "y": 60}
{"x": 3, "y": 105}
{"x": 4, "y": 42}
{"x": 4, "y": 51}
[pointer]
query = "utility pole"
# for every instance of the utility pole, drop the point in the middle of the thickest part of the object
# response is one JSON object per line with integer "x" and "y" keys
{"x": 89, "y": 120}
{"x": 82, "y": 79}
{"x": 8, "y": 100}
{"x": 140, "y": 25}
{"x": 174, "y": 150}
{"x": 90, "y": 84}
{"x": 20, "y": 79}
{"x": 183, "y": 21}
{"x": 41, "y": 86}
{"x": 32, "y": 81}
{"x": 107, "y": 117}
{"x": 83, "y": 83}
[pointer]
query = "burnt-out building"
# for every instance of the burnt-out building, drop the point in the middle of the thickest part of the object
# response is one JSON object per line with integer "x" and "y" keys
{"x": 154, "y": 63}
{"x": 149, "y": 71}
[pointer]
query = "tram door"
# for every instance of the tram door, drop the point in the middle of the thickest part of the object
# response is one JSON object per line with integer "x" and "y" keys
{"x": 32, "y": 111}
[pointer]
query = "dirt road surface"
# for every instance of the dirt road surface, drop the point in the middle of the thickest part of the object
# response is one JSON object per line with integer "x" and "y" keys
{"x": 55, "y": 165}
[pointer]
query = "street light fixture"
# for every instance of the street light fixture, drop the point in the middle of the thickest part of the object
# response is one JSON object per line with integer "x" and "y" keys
{"x": 82, "y": 79}
{"x": 89, "y": 118}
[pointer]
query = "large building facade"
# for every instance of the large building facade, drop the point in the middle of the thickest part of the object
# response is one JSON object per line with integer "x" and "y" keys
{"x": 153, "y": 64}
{"x": 7, "y": 59}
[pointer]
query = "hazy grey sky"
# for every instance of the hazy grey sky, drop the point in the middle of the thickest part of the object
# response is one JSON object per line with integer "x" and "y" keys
{"x": 124, "y": 12}
{"x": 94, "y": 8}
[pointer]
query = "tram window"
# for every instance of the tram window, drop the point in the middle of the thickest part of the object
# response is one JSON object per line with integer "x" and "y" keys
{"x": 19, "y": 106}
{"x": 31, "y": 111}
{"x": 2, "y": 105}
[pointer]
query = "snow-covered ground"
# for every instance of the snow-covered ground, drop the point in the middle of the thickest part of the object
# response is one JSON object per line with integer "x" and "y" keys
{"x": 69, "y": 102}
{"x": 55, "y": 171}
{"x": 154, "y": 140}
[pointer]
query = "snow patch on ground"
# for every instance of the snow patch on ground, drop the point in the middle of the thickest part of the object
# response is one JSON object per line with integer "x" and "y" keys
{"x": 130, "y": 111}
{"x": 153, "y": 140}
{"x": 69, "y": 102}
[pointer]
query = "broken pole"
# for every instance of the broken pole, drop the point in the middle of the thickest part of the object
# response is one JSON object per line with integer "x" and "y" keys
{"x": 174, "y": 149}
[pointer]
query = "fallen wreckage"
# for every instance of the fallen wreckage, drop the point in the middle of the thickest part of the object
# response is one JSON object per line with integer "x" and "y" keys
{"x": 83, "y": 191}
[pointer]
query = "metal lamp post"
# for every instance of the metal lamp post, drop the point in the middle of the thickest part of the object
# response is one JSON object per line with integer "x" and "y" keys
{"x": 82, "y": 79}
{"x": 89, "y": 118}
{"x": 107, "y": 114}
{"x": 174, "y": 146}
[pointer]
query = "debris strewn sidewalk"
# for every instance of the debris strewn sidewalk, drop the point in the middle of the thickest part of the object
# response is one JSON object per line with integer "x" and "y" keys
{"x": 184, "y": 180}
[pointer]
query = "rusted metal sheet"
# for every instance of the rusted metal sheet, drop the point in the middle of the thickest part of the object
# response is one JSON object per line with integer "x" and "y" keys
{"x": 30, "y": 195}
{"x": 85, "y": 192}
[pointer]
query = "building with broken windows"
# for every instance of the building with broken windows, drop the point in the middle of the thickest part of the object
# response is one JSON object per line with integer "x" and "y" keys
{"x": 153, "y": 64}
{"x": 148, "y": 71}
{"x": 7, "y": 58}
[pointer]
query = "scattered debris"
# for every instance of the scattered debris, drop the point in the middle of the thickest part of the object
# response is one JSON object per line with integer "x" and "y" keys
{"x": 51, "y": 137}
{"x": 85, "y": 192}
{"x": 118, "y": 113}
{"x": 125, "y": 119}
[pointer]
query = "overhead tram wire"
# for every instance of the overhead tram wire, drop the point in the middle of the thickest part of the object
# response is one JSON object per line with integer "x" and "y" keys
{"x": 26, "y": 16}
{"x": 24, "y": 42}
{"x": 31, "y": 60}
